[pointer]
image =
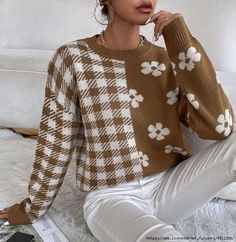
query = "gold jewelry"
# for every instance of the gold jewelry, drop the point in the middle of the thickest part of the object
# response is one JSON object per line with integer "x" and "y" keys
{"x": 95, "y": 16}
{"x": 106, "y": 45}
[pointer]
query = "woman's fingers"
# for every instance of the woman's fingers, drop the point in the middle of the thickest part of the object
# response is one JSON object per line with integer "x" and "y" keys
{"x": 160, "y": 24}
{"x": 4, "y": 213}
{"x": 156, "y": 15}
{"x": 159, "y": 19}
{"x": 5, "y": 209}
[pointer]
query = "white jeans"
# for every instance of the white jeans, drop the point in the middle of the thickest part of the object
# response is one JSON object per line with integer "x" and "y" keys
{"x": 146, "y": 209}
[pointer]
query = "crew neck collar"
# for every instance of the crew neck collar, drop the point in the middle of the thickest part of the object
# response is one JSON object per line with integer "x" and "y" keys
{"x": 118, "y": 54}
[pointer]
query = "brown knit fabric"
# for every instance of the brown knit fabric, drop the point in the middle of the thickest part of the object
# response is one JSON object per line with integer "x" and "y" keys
{"x": 120, "y": 110}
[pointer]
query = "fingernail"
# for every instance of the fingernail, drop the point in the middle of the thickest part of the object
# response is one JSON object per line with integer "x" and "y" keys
{"x": 148, "y": 21}
{"x": 6, "y": 223}
{"x": 157, "y": 36}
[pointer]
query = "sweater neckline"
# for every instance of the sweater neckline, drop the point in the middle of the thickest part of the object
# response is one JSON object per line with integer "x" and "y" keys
{"x": 118, "y": 54}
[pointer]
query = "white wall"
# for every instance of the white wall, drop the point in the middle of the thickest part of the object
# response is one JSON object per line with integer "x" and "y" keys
{"x": 1, "y": 19}
{"x": 212, "y": 22}
{"x": 44, "y": 24}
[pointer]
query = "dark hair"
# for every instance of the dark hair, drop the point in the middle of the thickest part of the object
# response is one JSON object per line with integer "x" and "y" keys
{"x": 104, "y": 9}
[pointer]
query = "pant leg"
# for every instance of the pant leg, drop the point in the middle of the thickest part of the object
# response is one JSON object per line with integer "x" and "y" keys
{"x": 120, "y": 214}
{"x": 196, "y": 180}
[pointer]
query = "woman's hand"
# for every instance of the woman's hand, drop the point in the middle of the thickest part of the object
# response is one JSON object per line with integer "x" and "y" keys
{"x": 15, "y": 214}
{"x": 4, "y": 213}
{"x": 161, "y": 19}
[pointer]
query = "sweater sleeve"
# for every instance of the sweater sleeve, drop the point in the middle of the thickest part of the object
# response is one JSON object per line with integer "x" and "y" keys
{"x": 59, "y": 127}
{"x": 203, "y": 106}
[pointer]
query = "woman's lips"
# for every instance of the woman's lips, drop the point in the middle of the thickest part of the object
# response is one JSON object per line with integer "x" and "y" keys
{"x": 145, "y": 9}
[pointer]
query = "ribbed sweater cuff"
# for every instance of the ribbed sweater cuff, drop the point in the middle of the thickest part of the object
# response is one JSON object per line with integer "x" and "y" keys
{"x": 17, "y": 215}
{"x": 177, "y": 36}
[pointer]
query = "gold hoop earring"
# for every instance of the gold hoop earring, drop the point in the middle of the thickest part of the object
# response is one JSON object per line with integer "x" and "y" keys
{"x": 95, "y": 9}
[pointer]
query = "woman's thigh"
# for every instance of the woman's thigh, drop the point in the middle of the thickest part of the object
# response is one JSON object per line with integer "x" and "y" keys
{"x": 196, "y": 180}
{"x": 124, "y": 216}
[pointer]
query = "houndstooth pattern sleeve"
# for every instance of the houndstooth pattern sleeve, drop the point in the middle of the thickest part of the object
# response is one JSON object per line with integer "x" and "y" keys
{"x": 59, "y": 129}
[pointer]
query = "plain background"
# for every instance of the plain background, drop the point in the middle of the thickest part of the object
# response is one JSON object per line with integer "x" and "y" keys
{"x": 44, "y": 24}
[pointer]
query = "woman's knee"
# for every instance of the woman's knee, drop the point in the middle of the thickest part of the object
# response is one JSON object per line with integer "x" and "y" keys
{"x": 122, "y": 220}
{"x": 230, "y": 141}
{"x": 117, "y": 220}
{"x": 228, "y": 147}
{"x": 224, "y": 149}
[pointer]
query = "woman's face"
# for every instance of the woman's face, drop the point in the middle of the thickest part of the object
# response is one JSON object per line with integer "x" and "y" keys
{"x": 128, "y": 10}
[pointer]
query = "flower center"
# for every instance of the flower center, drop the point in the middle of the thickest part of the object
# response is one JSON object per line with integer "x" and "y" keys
{"x": 188, "y": 60}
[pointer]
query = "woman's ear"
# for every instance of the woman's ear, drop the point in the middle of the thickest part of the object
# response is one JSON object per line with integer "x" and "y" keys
{"x": 104, "y": 1}
{"x": 234, "y": 123}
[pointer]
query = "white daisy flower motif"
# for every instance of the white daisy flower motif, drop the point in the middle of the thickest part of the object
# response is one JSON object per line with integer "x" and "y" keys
{"x": 170, "y": 148}
{"x": 173, "y": 65}
{"x": 179, "y": 150}
{"x": 225, "y": 122}
{"x": 192, "y": 100}
{"x": 154, "y": 67}
{"x": 135, "y": 98}
{"x": 192, "y": 55}
{"x": 173, "y": 96}
{"x": 157, "y": 131}
{"x": 144, "y": 158}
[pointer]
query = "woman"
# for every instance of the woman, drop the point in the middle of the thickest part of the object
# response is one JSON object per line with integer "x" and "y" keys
{"x": 118, "y": 100}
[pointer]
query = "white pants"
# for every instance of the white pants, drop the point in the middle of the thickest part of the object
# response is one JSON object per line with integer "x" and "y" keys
{"x": 146, "y": 209}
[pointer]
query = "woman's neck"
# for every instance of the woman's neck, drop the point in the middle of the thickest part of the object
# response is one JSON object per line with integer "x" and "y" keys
{"x": 122, "y": 37}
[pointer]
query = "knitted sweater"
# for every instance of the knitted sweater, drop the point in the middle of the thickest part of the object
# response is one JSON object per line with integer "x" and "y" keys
{"x": 120, "y": 111}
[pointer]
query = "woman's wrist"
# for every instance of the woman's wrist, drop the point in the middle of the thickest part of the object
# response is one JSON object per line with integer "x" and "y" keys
{"x": 177, "y": 36}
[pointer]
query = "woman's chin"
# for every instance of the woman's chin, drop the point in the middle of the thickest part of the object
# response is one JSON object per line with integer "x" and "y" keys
{"x": 143, "y": 22}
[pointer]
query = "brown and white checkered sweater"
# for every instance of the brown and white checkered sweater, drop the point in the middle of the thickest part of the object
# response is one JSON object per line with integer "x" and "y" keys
{"x": 120, "y": 110}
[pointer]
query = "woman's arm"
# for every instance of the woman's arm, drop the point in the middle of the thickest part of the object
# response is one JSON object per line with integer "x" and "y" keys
{"x": 203, "y": 105}
{"x": 58, "y": 134}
